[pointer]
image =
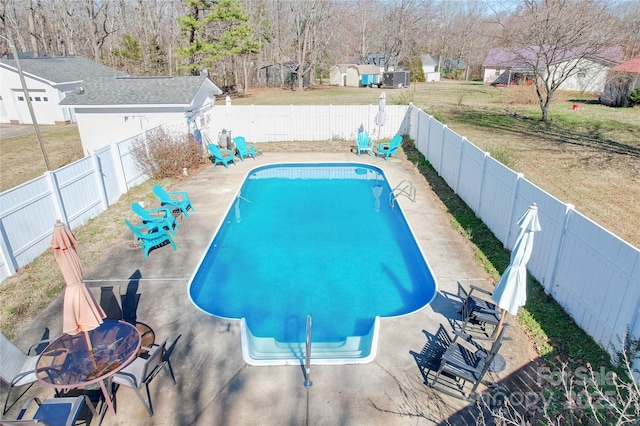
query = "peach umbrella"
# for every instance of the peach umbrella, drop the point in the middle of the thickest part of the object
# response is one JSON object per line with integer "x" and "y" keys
{"x": 81, "y": 311}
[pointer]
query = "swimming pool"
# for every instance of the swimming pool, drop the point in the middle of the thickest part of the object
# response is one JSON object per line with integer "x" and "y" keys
{"x": 312, "y": 239}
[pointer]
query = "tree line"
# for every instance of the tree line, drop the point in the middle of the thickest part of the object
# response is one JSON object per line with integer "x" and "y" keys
{"x": 234, "y": 39}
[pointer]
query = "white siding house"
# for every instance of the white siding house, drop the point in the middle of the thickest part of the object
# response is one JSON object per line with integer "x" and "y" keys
{"x": 48, "y": 79}
{"x": 586, "y": 73}
{"x": 110, "y": 110}
{"x": 429, "y": 67}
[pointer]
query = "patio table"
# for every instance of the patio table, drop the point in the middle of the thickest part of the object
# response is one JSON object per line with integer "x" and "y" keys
{"x": 76, "y": 361}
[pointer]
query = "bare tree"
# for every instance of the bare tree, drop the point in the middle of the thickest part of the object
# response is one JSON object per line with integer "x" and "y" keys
{"x": 554, "y": 39}
{"x": 309, "y": 17}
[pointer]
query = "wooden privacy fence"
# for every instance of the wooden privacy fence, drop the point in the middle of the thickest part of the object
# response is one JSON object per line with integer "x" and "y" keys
{"x": 592, "y": 273}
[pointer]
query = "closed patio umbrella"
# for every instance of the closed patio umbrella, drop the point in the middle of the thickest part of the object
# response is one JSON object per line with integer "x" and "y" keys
{"x": 81, "y": 311}
{"x": 511, "y": 291}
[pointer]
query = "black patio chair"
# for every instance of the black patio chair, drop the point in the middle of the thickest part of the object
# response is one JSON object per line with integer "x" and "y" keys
{"x": 465, "y": 362}
{"x": 479, "y": 314}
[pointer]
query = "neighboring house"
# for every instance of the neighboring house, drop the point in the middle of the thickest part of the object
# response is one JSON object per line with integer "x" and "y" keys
{"x": 110, "y": 110}
{"x": 338, "y": 74}
{"x": 48, "y": 79}
{"x": 452, "y": 68}
{"x": 381, "y": 61}
{"x": 621, "y": 81}
{"x": 506, "y": 67}
{"x": 363, "y": 75}
{"x": 429, "y": 68}
{"x": 273, "y": 75}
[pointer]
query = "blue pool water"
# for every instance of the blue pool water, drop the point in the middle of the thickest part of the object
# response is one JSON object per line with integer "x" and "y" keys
{"x": 318, "y": 239}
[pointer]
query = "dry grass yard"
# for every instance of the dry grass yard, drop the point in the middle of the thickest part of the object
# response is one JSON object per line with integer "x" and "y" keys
{"x": 589, "y": 157}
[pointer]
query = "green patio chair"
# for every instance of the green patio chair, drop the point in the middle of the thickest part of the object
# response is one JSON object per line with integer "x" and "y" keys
{"x": 387, "y": 149}
{"x": 364, "y": 143}
{"x": 244, "y": 149}
{"x": 220, "y": 155}
{"x": 177, "y": 200}
{"x": 155, "y": 236}
{"x": 161, "y": 216}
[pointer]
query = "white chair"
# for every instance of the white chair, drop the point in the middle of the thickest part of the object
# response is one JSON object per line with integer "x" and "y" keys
{"x": 16, "y": 368}
{"x": 142, "y": 371}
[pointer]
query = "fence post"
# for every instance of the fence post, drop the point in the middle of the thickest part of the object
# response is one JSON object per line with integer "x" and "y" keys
{"x": 444, "y": 132}
{"x": 10, "y": 263}
{"x": 512, "y": 216}
{"x": 118, "y": 167}
{"x": 484, "y": 172}
{"x": 58, "y": 203}
{"x": 97, "y": 170}
{"x": 554, "y": 267}
{"x": 463, "y": 142}
{"x": 427, "y": 154}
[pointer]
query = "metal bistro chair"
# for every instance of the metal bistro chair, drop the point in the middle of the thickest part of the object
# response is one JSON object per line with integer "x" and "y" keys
{"x": 480, "y": 314}
{"x": 143, "y": 370}
{"x": 17, "y": 369}
{"x": 465, "y": 363}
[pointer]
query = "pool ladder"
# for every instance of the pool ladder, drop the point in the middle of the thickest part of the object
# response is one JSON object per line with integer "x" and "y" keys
{"x": 406, "y": 188}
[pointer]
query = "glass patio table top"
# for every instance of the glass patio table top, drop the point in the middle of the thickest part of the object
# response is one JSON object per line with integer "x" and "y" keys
{"x": 75, "y": 361}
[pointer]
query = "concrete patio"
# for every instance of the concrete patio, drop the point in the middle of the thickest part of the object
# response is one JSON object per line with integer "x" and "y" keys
{"x": 216, "y": 387}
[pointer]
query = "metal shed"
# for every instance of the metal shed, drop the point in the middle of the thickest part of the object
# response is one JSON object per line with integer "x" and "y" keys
{"x": 397, "y": 79}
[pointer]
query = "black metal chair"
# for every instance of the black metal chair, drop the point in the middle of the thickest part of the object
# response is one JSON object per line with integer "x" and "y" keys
{"x": 480, "y": 314}
{"x": 465, "y": 363}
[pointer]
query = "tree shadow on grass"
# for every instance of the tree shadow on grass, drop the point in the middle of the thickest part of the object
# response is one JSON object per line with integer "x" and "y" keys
{"x": 525, "y": 127}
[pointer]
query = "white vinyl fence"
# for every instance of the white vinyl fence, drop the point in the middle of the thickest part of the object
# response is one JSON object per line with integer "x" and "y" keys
{"x": 82, "y": 190}
{"x": 73, "y": 194}
{"x": 593, "y": 274}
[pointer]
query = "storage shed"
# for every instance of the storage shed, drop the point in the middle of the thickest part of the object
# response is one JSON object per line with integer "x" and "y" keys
{"x": 338, "y": 74}
{"x": 396, "y": 79}
{"x": 363, "y": 75}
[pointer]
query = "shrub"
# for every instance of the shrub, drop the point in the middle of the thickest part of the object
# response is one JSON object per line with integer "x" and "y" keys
{"x": 634, "y": 97}
{"x": 165, "y": 154}
{"x": 503, "y": 153}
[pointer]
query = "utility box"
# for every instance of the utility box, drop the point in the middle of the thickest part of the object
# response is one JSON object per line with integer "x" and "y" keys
{"x": 396, "y": 79}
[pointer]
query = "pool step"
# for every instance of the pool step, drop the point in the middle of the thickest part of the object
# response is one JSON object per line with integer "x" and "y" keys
{"x": 268, "y": 351}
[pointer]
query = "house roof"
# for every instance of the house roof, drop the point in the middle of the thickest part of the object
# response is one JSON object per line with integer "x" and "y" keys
{"x": 61, "y": 69}
{"x": 632, "y": 66}
{"x": 522, "y": 58}
{"x": 427, "y": 60}
{"x": 343, "y": 67}
{"x": 366, "y": 69}
{"x": 176, "y": 91}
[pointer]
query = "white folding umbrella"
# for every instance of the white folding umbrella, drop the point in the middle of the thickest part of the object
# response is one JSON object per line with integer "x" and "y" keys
{"x": 511, "y": 291}
{"x": 381, "y": 116}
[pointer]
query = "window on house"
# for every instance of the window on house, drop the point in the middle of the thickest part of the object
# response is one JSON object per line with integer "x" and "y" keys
{"x": 582, "y": 74}
{"x": 37, "y": 98}
{"x": 45, "y": 99}
{"x": 21, "y": 98}
{"x": 497, "y": 72}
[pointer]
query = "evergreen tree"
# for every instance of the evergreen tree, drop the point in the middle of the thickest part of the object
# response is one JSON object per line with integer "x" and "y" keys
{"x": 215, "y": 30}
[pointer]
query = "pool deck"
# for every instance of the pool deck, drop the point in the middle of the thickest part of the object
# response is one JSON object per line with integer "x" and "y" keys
{"x": 216, "y": 387}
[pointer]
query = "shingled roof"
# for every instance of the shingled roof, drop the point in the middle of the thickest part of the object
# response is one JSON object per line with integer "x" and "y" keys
{"x": 148, "y": 91}
{"x": 632, "y": 66}
{"x": 522, "y": 58}
{"x": 61, "y": 69}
